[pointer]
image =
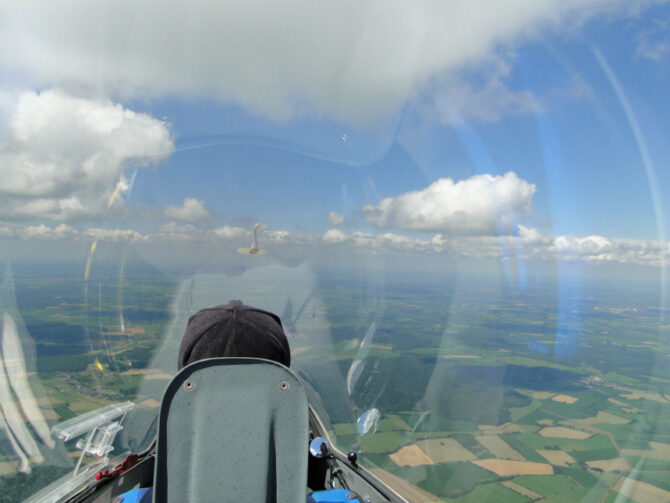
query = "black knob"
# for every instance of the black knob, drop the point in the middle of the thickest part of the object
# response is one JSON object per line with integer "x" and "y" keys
{"x": 353, "y": 458}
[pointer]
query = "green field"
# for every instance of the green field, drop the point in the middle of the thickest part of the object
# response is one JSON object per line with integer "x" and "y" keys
{"x": 579, "y": 476}
{"x": 515, "y": 441}
{"x": 447, "y": 479}
{"x": 536, "y": 441}
{"x": 495, "y": 359}
{"x": 595, "y": 454}
{"x": 382, "y": 442}
{"x": 546, "y": 486}
{"x": 491, "y": 492}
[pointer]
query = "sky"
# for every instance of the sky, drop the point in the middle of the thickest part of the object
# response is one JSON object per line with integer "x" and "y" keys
{"x": 515, "y": 130}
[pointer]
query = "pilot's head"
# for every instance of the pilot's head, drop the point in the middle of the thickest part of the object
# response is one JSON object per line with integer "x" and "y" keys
{"x": 234, "y": 330}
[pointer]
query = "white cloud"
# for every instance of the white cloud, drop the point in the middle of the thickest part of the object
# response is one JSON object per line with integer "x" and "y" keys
{"x": 275, "y": 236}
{"x": 484, "y": 93}
{"x": 654, "y": 42}
{"x": 64, "y": 157}
{"x": 335, "y": 219}
{"x": 655, "y": 50}
{"x": 486, "y": 98}
{"x": 7, "y": 231}
{"x": 42, "y": 232}
{"x": 438, "y": 242}
{"x": 116, "y": 235}
{"x": 479, "y": 205}
{"x": 529, "y": 235}
{"x": 528, "y": 244}
{"x": 173, "y": 231}
{"x": 230, "y": 232}
{"x": 353, "y": 61}
{"x": 334, "y": 236}
{"x": 587, "y": 245}
{"x": 592, "y": 248}
{"x": 193, "y": 210}
{"x": 375, "y": 243}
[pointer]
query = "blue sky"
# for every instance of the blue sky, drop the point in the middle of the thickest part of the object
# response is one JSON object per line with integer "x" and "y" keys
{"x": 580, "y": 151}
{"x": 338, "y": 137}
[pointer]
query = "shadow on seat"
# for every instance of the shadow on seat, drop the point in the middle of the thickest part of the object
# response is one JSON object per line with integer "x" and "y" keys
{"x": 232, "y": 429}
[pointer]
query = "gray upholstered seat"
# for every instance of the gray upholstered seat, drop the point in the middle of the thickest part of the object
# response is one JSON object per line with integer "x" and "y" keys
{"x": 232, "y": 429}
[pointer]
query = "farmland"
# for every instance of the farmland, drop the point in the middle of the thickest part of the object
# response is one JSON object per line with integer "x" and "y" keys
{"x": 483, "y": 393}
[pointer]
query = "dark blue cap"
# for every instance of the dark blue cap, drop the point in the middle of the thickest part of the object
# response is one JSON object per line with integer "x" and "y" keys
{"x": 234, "y": 330}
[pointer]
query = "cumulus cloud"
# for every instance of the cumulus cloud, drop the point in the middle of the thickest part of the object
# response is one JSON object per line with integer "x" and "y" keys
{"x": 334, "y": 236}
{"x": 43, "y": 232}
{"x": 173, "y": 231}
{"x": 438, "y": 242}
{"x": 386, "y": 242}
{"x": 193, "y": 210}
{"x": 177, "y": 232}
{"x": 352, "y": 61}
{"x": 230, "y": 232}
{"x": 478, "y": 205}
{"x": 335, "y": 219}
{"x": 530, "y": 236}
{"x": 115, "y": 235}
{"x": 526, "y": 244}
{"x": 64, "y": 157}
{"x": 593, "y": 248}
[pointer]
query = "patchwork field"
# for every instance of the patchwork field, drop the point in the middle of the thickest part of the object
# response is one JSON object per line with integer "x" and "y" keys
{"x": 407, "y": 489}
{"x": 142, "y": 372}
{"x": 477, "y": 415}
{"x": 546, "y": 486}
{"x": 521, "y": 490}
{"x": 411, "y": 455}
{"x": 508, "y": 468}
{"x": 636, "y": 394}
{"x": 657, "y": 450}
{"x": 564, "y": 399}
{"x": 610, "y": 465}
{"x": 557, "y": 458}
{"x": 500, "y": 430}
{"x": 617, "y": 402}
{"x": 384, "y": 347}
{"x": 641, "y": 491}
{"x": 499, "y": 448}
{"x": 601, "y": 418}
{"x": 491, "y": 492}
{"x": 445, "y": 450}
{"x": 560, "y": 432}
{"x": 460, "y": 357}
{"x": 540, "y": 395}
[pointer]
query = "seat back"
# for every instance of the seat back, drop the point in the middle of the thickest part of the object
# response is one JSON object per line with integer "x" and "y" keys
{"x": 232, "y": 429}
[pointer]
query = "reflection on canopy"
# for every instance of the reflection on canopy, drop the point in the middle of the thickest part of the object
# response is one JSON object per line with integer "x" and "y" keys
{"x": 18, "y": 387}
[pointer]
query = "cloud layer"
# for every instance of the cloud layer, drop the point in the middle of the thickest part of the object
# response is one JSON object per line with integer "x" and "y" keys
{"x": 526, "y": 244}
{"x": 352, "y": 61}
{"x": 482, "y": 204}
{"x": 64, "y": 157}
